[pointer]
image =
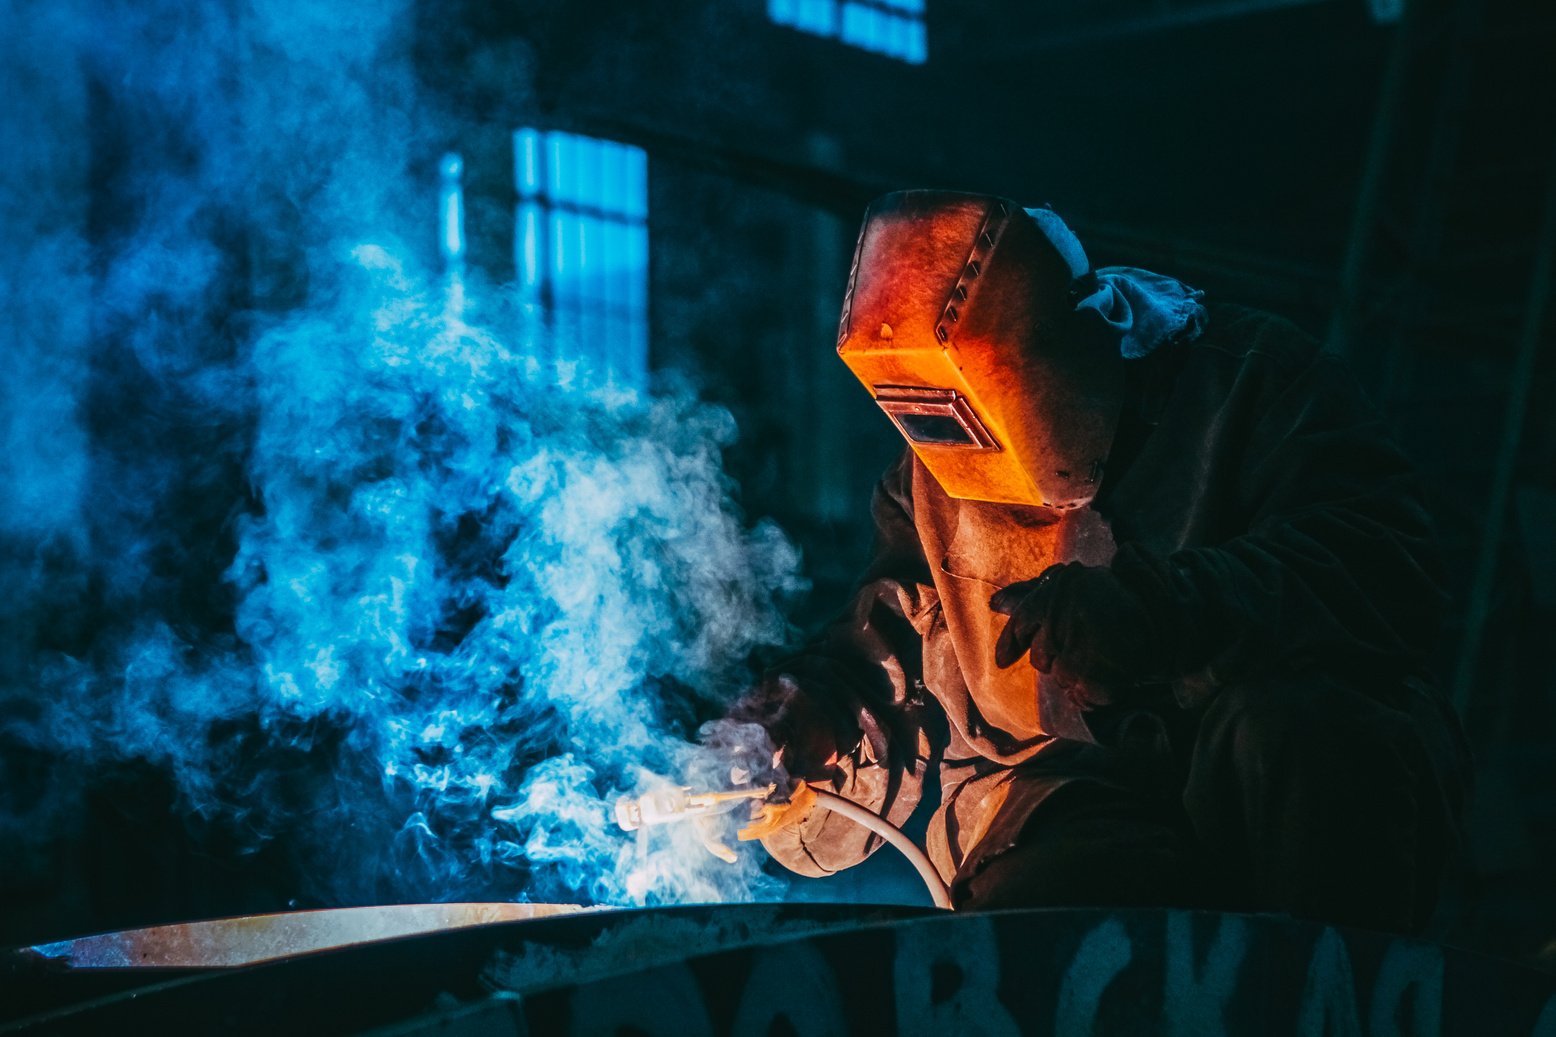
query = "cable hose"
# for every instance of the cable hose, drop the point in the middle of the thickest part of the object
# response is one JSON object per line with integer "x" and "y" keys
{"x": 892, "y": 834}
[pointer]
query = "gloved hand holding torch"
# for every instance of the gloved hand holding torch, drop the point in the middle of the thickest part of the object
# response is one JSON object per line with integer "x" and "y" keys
{"x": 808, "y": 741}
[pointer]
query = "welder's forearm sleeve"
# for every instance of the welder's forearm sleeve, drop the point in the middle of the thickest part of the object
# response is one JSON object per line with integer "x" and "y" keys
{"x": 1337, "y": 569}
{"x": 865, "y": 671}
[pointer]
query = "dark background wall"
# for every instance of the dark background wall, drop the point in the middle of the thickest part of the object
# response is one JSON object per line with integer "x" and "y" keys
{"x": 1388, "y": 185}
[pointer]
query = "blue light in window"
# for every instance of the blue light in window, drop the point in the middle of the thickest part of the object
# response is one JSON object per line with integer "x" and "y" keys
{"x": 891, "y": 27}
{"x": 581, "y": 247}
{"x": 879, "y": 26}
{"x": 451, "y": 213}
{"x": 818, "y": 17}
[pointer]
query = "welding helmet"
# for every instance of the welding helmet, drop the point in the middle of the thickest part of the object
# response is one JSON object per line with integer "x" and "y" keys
{"x": 960, "y": 319}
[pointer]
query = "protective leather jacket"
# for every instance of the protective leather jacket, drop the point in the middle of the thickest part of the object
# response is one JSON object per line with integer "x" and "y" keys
{"x": 1247, "y": 462}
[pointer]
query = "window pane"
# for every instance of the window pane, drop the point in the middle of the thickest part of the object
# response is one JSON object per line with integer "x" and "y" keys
{"x": 527, "y": 245}
{"x": 891, "y": 27}
{"x": 917, "y": 49}
{"x": 862, "y": 26}
{"x": 876, "y": 25}
{"x": 636, "y": 194}
{"x": 813, "y": 16}
{"x": 526, "y": 162}
{"x": 818, "y": 16}
{"x": 783, "y": 12}
{"x": 451, "y": 217}
{"x": 581, "y": 247}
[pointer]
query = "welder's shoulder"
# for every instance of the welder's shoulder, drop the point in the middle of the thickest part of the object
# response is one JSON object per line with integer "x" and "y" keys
{"x": 1243, "y": 337}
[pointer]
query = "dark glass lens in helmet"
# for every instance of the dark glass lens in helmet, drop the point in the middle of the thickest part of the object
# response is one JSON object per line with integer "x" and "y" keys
{"x": 935, "y": 429}
{"x": 934, "y": 417}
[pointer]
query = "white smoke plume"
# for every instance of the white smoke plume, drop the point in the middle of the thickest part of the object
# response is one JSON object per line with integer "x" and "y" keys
{"x": 306, "y": 524}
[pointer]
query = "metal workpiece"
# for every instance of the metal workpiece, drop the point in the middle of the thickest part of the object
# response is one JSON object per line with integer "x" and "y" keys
{"x": 253, "y": 939}
{"x": 737, "y": 969}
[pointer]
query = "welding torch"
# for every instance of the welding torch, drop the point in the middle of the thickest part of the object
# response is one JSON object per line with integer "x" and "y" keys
{"x": 673, "y": 806}
{"x": 667, "y": 807}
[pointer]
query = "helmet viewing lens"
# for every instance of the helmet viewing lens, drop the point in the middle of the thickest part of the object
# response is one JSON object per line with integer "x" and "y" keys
{"x": 934, "y": 417}
{"x": 934, "y": 429}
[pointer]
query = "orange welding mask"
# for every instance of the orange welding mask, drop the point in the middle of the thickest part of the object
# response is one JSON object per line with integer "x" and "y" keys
{"x": 960, "y": 319}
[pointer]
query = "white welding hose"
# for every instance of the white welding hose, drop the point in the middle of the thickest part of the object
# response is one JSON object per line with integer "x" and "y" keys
{"x": 892, "y": 834}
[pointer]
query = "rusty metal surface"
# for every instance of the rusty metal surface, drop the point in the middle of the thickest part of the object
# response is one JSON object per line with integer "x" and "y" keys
{"x": 375, "y": 983}
{"x": 740, "y": 969}
{"x": 251, "y": 939}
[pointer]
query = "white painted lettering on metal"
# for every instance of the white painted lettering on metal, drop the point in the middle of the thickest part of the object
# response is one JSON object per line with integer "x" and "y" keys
{"x": 1102, "y": 955}
{"x": 1329, "y": 997}
{"x": 794, "y": 982}
{"x": 947, "y": 978}
{"x": 1196, "y": 995}
{"x": 663, "y": 1002}
{"x": 1410, "y": 973}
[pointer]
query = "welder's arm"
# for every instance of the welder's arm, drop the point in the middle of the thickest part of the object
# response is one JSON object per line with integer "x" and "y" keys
{"x": 850, "y": 711}
{"x": 1337, "y": 569}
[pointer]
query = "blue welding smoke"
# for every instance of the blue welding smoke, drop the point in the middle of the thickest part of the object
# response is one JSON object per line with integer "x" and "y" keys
{"x": 295, "y": 525}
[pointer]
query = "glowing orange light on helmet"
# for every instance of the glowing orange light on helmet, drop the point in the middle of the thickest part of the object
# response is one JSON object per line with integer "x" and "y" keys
{"x": 957, "y": 321}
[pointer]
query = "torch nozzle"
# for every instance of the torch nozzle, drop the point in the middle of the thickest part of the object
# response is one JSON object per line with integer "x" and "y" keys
{"x": 661, "y": 808}
{"x": 682, "y": 804}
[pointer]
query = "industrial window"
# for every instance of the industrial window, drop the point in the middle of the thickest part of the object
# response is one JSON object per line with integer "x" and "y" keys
{"x": 581, "y": 247}
{"x": 891, "y": 27}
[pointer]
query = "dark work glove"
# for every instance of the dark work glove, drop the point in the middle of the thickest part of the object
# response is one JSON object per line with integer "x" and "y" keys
{"x": 808, "y": 737}
{"x": 1084, "y": 625}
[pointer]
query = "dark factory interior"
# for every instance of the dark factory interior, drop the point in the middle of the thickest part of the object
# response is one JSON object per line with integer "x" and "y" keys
{"x": 286, "y": 499}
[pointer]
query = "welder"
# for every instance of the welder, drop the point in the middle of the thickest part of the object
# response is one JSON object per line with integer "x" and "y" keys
{"x": 1151, "y": 598}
